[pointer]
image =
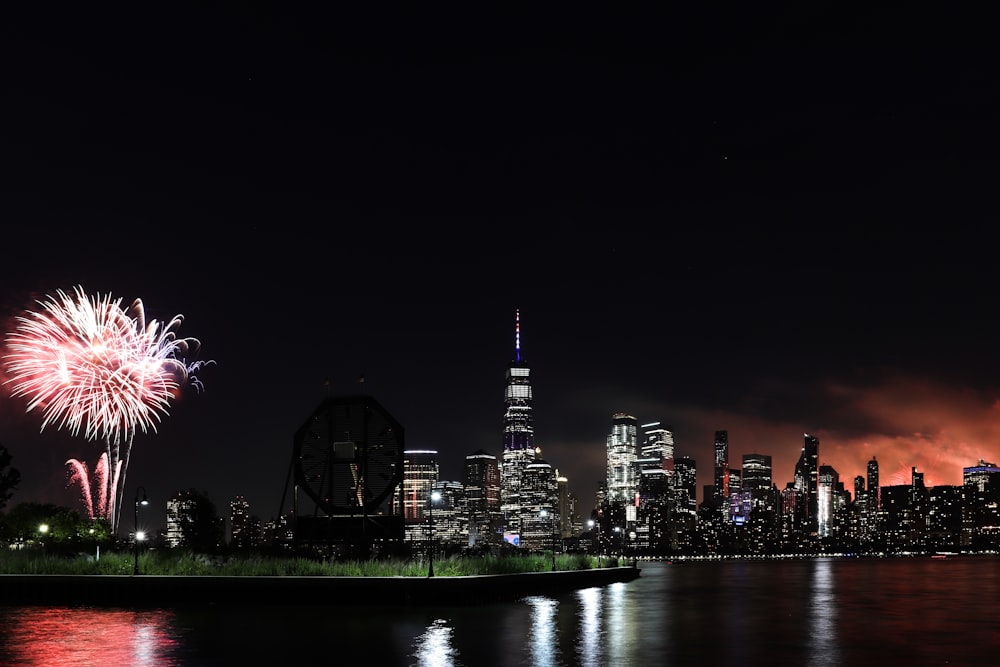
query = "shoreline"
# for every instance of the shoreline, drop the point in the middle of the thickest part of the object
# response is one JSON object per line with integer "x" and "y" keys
{"x": 201, "y": 590}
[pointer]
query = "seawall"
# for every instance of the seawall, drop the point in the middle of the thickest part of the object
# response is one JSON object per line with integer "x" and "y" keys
{"x": 161, "y": 591}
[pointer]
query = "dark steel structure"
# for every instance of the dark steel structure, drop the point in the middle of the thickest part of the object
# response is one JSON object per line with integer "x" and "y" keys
{"x": 348, "y": 460}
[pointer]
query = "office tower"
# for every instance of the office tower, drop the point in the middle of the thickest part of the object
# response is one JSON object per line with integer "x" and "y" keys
{"x": 873, "y": 488}
{"x": 722, "y": 466}
{"x": 980, "y": 504}
{"x": 241, "y": 534}
{"x": 420, "y": 472}
{"x": 826, "y": 500}
{"x": 655, "y": 481}
{"x": 859, "y": 529}
{"x": 757, "y": 479}
{"x": 518, "y": 438}
{"x": 482, "y": 495}
{"x": 566, "y": 508}
{"x": 686, "y": 484}
{"x": 179, "y": 506}
{"x": 655, "y": 465}
{"x": 622, "y": 454}
{"x": 684, "y": 522}
{"x": 539, "y": 506}
{"x": 451, "y": 525}
{"x": 807, "y": 483}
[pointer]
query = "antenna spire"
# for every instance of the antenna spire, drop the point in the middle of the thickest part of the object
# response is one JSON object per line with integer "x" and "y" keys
{"x": 517, "y": 336}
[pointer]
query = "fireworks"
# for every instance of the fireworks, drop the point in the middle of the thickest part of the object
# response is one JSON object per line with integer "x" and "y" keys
{"x": 98, "y": 495}
{"x": 91, "y": 367}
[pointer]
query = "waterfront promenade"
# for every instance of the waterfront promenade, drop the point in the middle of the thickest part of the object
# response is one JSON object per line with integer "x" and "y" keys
{"x": 172, "y": 590}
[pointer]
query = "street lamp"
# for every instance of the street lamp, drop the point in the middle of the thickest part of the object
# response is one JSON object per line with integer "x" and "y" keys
{"x": 594, "y": 526}
{"x": 545, "y": 513}
{"x": 619, "y": 529}
{"x": 138, "y": 536}
{"x": 435, "y": 496}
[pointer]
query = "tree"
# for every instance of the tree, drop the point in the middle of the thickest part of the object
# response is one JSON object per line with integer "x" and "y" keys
{"x": 65, "y": 531}
{"x": 9, "y": 477}
{"x": 200, "y": 527}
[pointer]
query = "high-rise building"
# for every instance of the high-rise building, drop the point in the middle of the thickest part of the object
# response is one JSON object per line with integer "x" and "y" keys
{"x": 655, "y": 480}
{"x": 482, "y": 495}
{"x": 686, "y": 485}
{"x": 873, "y": 493}
{"x": 518, "y": 439}
{"x": 450, "y": 510}
{"x": 685, "y": 516}
{"x": 980, "y": 504}
{"x": 757, "y": 479}
{"x": 826, "y": 500}
{"x": 807, "y": 483}
{"x": 244, "y": 528}
{"x": 622, "y": 454}
{"x": 722, "y": 466}
{"x": 539, "y": 506}
{"x": 420, "y": 472}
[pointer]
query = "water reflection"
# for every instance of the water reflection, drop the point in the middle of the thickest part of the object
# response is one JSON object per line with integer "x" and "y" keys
{"x": 822, "y": 621}
{"x": 800, "y": 612}
{"x": 434, "y": 647}
{"x": 543, "y": 636}
{"x": 69, "y": 636}
{"x": 589, "y": 645}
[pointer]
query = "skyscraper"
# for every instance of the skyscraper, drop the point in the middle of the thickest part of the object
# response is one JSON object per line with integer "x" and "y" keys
{"x": 807, "y": 483}
{"x": 482, "y": 494}
{"x": 873, "y": 494}
{"x": 420, "y": 472}
{"x": 826, "y": 500}
{"x": 622, "y": 454}
{"x": 518, "y": 438}
{"x": 539, "y": 506}
{"x": 686, "y": 484}
{"x": 722, "y": 466}
{"x": 244, "y": 528}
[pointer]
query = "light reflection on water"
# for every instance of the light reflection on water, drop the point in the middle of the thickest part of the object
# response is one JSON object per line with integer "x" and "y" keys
{"x": 70, "y": 636}
{"x": 809, "y": 612}
{"x": 822, "y": 620}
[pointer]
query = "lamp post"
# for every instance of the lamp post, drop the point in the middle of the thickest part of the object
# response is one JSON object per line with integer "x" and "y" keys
{"x": 594, "y": 526}
{"x": 135, "y": 525}
{"x": 621, "y": 549}
{"x": 544, "y": 514}
{"x": 434, "y": 497}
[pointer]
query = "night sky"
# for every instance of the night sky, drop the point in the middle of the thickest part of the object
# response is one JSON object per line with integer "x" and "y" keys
{"x": 774, "y": 221}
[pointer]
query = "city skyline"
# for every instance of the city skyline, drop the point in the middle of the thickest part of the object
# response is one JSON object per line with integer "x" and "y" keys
{"x": 706, "y": 226}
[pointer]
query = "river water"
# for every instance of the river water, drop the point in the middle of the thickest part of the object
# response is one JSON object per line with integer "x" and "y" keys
{"x": 812, "y": 612}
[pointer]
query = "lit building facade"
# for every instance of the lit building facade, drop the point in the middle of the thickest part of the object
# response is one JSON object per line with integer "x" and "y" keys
{"x": 518, "y": 440}
{"x": 622, "y": 447}
{"x": 807, "y": 484}
{"x": 721, "y": 477}
{"x": 540, "y": 515}
{"x": 482, "y": 495}
{"x": 420, "y": 472}
{"x": 245, "y": 529}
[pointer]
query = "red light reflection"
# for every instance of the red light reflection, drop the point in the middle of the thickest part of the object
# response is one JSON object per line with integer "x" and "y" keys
{"x": 70, "y": 636}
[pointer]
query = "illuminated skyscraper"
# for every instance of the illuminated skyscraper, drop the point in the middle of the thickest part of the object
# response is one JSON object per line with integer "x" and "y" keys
{"x": 518, "y": 438}
{"x": 873, "y": 494}
{"x": 622, "y": 454}
{"x": 722, "y": 466}
{"x": 482, "y": 494}
{"x": 826, "y": 500}
{"x": 539, "y": 506}
{"x": 686, "y": 484}
{"x": 807, "y": 483}
{"x": 244, "y": 528}
{"x": 420, "y": 472}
